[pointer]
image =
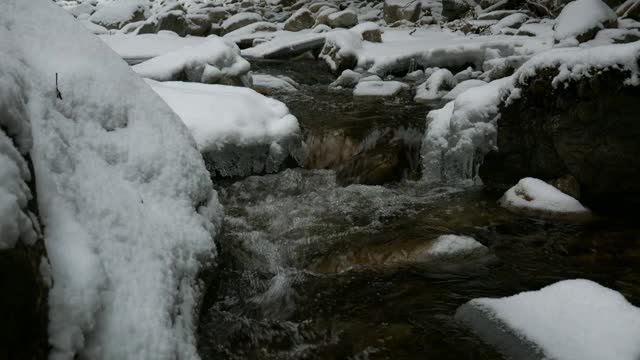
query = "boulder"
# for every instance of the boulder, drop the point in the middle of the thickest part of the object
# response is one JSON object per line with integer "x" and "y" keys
{"x": 198, "y": 25}
{"x": 322, "y": 17}
{"x": 369, "y": 32}
{"x": 395, "y": 10}
{"x": 586, "y": 127}
{"x": 342, "y": 19}
{"x": 174, "y": 21}
{"x": 629, "y": 9}
{"x": 216, "y": 14}
{"x": 300, "y": 20}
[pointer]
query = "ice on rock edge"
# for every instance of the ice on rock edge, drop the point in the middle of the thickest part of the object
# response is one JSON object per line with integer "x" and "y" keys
{"x": 536, "y": 196}
{"x": 460, "y": 134}
{"x": 239, "y": 131}
{"x": 127, "y": 204}
{"x": 571, "y": 319}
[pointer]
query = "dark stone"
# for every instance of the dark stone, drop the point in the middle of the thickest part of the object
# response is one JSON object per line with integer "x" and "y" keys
{"x": 586, "y": 128}
{"x": 455, "y": 9}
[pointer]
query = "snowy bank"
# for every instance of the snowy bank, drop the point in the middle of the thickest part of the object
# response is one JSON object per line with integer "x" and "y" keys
{"x": 571, "y": 319}
{"x": 239, "y": 131}
{"x": 127, "y": 205}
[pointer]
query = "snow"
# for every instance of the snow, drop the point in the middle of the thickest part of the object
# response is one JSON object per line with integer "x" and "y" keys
{"x": 117, "y": 13}
{"x": 436, "y": 86}
{"x": 436, "y": 143}
{"x": 340, "y": 44}
{"x": 227, "y": 117}
{"x": 379, "y": 88}
{"x": 146, "y": 46}
{"x": 211, "y": 61}
{"x": 264, "y": 84}
{"x": 568, "y": 320}
{"x": 462, "y": 87}
{"x": 245, "y": 17}
{"x": 535, "y": 195}
{"x": 447, "y": 245}
{"x": 347, "y": 79}
{"x": 581, "y": 16}
{"x": 283, "y": 41}
{"x": 127, "y": 205}
{"x": 576, "y": 63}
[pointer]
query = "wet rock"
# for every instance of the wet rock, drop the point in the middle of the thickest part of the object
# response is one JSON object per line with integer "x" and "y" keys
{"x": 455, "y": 9}
{"x": 342, "y": 19}
{"x": 300, "y": 20}
{"x": 629, "y": 9}
{"x": 386, "y": 156}
{"x": 395, "y": 10}
{"x": 568, "y": 185}
{"x": 586, "y": 128}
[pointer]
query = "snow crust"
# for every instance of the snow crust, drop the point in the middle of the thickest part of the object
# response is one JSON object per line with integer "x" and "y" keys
{"x": 128, "y": 207}
{"x": 209, "y": 62}
{"x": 535, "y": 195}
{"x": 571, "y": 319}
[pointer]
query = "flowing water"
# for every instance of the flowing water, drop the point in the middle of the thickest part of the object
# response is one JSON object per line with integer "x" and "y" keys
{"x": 311, "y": 269}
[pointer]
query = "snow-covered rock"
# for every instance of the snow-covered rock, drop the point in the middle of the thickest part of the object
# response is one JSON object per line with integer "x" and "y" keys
{"x": 213, "y": 61}
{"x": 379, "y": 88}
{"x": 116, "y": 14}
{"x": 239, "y": 131}
{"x": 455, "y": 245}
{"x": 240, "y": 20}
{"x": 369, "y": 31}
{"x": 571, "y": 319}
{"x": 287, "y": 45}
{"x": 462, "y": 87}
{"x": 348, "y": 79}
{"x": 535, "y": 196}
{"x": 436, "y": 86}
{"x": 580, "y": 20}
{"x": 127, "y": 205}
{"x": 269, "y": 84}
{"x": 340, "y": 50}
{"x": 513, "y": 21}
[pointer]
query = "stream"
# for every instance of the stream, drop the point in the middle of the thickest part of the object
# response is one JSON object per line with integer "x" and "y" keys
{"x": 309, "y": 268}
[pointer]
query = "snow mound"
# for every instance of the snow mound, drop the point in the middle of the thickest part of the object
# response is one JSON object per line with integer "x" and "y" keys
{"x": 571, "y": 319}
{"x": 580, "y": 19}
{"x": 128, "y": 207}
{"x": 379, "y": 88}
{"x": 462, "y": 87}
{"x": 213, "y": 61}
{"x": 227, "y": 118}
{"x": 449, "y": 245}
{"x": 534, "y": 195}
